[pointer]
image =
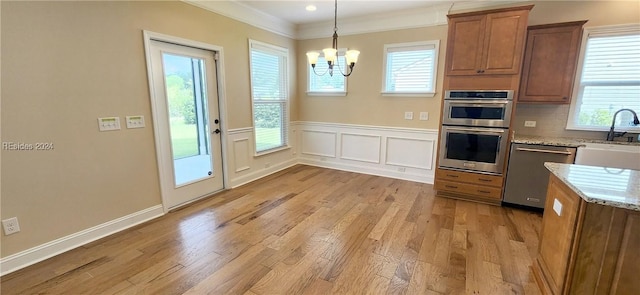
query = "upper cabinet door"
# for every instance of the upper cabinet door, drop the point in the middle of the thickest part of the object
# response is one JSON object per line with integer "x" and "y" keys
{"x": 487, "y": 43}
{"x": 504, "y": 42}
{"x": 550, "y": 61}
{"x": 465, "y": 43}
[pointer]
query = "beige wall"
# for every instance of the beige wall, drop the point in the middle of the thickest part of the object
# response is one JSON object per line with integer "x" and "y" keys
{"x": 67, "y": 63}
{"x": 364, "y": 105}
{"x": 552, "y": 119}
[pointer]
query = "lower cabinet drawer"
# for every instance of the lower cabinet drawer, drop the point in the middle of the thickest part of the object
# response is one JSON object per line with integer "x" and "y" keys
{"x": 469, "y": 189}
{"x": 474, "y": 178}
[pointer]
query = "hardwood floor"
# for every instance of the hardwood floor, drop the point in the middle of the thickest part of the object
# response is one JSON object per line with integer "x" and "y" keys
{"x": 306, "y": 230}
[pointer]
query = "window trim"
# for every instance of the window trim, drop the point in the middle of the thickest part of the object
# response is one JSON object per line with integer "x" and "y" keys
{"x": 435, "y": 44}
{"x": 577, "y": 92}
{"x": 341, "y": 52}
{"x": 286, "y": 126}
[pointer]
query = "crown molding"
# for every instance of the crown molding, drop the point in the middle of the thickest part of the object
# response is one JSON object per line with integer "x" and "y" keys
{"x": 434, "y": 15}
{"x": 248, "y": 15}
{"x": 404, "y": 19}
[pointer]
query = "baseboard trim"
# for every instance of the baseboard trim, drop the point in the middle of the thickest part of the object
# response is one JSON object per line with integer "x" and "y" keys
{"x": 240, "y": 181}
{"x": 371, "y": 171}
{"x": 47, "y": 250}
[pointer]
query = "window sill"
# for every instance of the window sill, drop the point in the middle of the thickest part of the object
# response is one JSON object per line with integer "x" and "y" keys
{"x": 271, "y": 151}
{"x": 320, "y": 93}
{"x": 628, "y": 129}
{"x": 409, "y": 94}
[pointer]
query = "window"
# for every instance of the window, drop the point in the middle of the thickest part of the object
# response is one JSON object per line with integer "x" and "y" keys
{"x": 326, "y": 84}
{"x": 269, "y": 93}
{"x": 609, "y": 79}
{"x": 410, "y": 68}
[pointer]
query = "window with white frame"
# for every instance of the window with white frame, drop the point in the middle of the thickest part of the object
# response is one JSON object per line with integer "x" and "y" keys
{"x": 608, "y": 79}
{"x": 270, "y": 95}
{"x": 327, "y": 84}
{"x": 410, "y": 68}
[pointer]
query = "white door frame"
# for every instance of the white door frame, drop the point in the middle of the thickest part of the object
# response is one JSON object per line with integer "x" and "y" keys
{"x": 222, "y": 101}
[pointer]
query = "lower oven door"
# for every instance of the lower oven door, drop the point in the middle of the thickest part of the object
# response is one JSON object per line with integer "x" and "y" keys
{"x": 473, "y": 149}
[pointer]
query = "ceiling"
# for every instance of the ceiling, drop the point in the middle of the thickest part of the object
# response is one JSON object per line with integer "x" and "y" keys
{"x": 293, "y": 11}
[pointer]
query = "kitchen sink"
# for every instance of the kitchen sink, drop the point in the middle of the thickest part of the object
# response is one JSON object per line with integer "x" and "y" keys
{"x": 609, "y": 155}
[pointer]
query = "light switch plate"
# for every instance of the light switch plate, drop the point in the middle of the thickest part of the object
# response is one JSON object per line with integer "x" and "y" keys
{"x": 109, "y": 123}
{"x": 557, "y": 207}
{"x": 424, "y": 116}
{"x": 408, "y": 115}
{"x": 529, "y": 123}
{"x": 135, "y": 122}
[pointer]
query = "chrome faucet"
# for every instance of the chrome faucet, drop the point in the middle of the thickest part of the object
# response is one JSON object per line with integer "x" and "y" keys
{"x": 613, "y": 134}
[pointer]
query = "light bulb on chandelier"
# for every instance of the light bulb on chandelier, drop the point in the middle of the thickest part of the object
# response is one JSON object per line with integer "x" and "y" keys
{"x": 331, "y": 54}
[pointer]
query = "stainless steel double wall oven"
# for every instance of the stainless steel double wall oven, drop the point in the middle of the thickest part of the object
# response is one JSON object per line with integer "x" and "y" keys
{"x": 475, "y": 130}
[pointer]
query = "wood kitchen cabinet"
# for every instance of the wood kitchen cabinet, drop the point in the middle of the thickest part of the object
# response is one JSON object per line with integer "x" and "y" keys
{"x": 550, "y": 61}
{"x": 467, "y": 185}
{"x": 586, "y": 248}
{"x": 487, "y": 42}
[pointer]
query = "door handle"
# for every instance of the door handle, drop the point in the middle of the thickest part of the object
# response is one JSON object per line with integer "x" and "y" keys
{"x": 543, "y": 151}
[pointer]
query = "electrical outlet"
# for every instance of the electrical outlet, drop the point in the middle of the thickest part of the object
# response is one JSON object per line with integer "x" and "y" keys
{"x": 10, "y": 226}
{"x": 408, "y": 115}
{"x": 529, "y": 123}
{"x": 402, "y": 169}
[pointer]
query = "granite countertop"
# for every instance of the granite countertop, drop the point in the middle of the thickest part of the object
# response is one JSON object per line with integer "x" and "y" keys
{"x": 613, "y": 187}
{"x": 563, "y": 141}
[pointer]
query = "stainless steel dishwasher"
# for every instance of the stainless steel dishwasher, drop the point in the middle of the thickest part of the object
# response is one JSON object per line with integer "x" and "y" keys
{"x": 527, "y": 178}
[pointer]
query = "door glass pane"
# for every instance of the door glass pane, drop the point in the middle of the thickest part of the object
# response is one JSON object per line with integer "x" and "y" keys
{"x": 472, "y": 147}
{"x": 187, "y": 107}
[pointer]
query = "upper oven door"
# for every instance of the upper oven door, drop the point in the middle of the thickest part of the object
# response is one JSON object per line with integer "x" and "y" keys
{"x": 486, "y": 113}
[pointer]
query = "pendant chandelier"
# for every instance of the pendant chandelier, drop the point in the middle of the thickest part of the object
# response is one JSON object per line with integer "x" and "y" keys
{"x": 331, "y": 54}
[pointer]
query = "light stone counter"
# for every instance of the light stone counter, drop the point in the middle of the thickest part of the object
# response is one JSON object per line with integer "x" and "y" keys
{"x": 563, "y": 141}
{"x": 613, "y": 187}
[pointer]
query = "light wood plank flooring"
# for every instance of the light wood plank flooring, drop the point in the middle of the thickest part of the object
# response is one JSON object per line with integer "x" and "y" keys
{"x": 306, "y": 230}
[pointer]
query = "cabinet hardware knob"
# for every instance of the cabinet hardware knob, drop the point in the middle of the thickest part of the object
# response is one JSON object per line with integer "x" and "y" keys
{"x": 484, "y": 192}
{"x": 483, "y": 179}
{"x": 452, "y": 176}
{"x": 450, "y": 186}
{"x": 565, "y": 98}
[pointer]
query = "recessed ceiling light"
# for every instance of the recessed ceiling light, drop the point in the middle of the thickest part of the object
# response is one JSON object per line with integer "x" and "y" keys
{"x": 311, "y": 7}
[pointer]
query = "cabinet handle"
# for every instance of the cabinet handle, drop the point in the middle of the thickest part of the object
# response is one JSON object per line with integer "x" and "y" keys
{"x": 452, "y": 176}
{"x": 565, "y": 98}
{"x": 484, "y": 180}
{"x": 484, "y": 192}
{"x": 450, "y": 186}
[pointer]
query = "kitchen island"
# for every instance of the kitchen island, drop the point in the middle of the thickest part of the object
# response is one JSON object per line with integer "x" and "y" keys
{"x": 590, "y": 237}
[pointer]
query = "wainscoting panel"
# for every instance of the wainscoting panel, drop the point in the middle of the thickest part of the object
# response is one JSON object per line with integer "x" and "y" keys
{"x": 410, "y": 152}
{"x": 403, "y": 153}
{"x": 319, "y": 143}
{"x": 245, "y": 166}
{"x": 360, "y": 147}
{"x": 241, "y": 154}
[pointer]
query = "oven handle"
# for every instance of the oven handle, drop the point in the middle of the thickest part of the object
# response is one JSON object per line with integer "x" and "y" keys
{"x": 543, "y": 151}
{"x": 476, "y": 130}
{"x": 467, "y": 102}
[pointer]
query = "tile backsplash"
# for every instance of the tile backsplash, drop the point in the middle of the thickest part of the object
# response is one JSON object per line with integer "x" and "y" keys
{"x": 551, "y": 120}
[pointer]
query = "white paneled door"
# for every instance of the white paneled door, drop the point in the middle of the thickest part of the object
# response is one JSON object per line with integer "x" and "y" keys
{"x": 185, "y": 99}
